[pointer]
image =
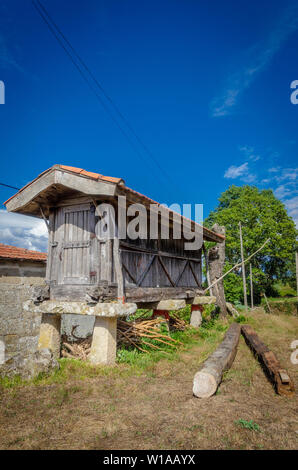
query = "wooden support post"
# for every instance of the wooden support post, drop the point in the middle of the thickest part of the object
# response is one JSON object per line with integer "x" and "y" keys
{"x": 251, "y": 287}
{"x": 196, "y": 315}
{"x": 243, "y": 267}
{"x": 216, "y": 261}
{"x": 272, "y": 368}
{"x": 209, "y": 377}
{"x": 207, "y": 268}
{"x": 50, "y": 333}
{"x": 118, "y": 270}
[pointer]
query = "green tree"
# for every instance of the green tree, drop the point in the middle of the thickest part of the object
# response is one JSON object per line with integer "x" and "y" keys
{"x": 262, "y": 216}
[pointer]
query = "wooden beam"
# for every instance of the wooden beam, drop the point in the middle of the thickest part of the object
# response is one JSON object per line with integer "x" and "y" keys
{"x": 194, "y": 274}
{"x": 146, "y": 270}
{"x": 57, "y": 176}
{"x": 166, "y": 271}
{"x": 209, "y": 376}
{"x": 139, "y": 295}
{"x": 269, "y": 362}
{"x": 181, "y": 273}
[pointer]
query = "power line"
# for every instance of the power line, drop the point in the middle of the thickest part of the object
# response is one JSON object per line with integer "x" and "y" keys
{"x": 8, "y": 186}
{"x": 116, "y": 108}
{"x": 88, "y": 82}
{"x": 38, "y": 6}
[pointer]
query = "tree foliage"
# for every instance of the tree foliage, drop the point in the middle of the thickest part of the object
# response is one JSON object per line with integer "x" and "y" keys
{"x": 262, "y": 216}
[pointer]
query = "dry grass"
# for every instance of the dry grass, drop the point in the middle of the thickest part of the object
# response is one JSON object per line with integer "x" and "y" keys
{"x": 154, "y": 408}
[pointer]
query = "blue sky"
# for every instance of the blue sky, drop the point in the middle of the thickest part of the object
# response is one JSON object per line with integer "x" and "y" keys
{"x": 205, "y": 85}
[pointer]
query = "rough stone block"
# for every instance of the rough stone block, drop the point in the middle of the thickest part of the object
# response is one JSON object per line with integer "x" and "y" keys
{"x": 196, "y": 319}
{"x": 204, "y": 300}
{"x": 171, "y": 304}
{"x": 104, "y": 341}
{"x": 50, "y": 333}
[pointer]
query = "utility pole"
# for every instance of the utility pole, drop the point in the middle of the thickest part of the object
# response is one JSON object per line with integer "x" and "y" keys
{"x": 243, "y": 267}
{"x": 251, "y": 287}
{"x": 297, "y": 272}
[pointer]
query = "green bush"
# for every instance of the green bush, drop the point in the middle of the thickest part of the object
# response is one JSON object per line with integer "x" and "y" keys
{"x": 233, "y": 287}
{"x": 284, "y": 290}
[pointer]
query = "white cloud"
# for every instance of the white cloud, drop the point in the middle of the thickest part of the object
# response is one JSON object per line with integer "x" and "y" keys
{"x": 250, "y": 153}
{"x": 281, "y": 191}
{"x": 23, "y": 231}
{"x": 292, "y": 208}
{"x": 260, "y": 56}
{"x": 249, "y": 178}
{"x": 236, "y": 171}
{"x": 288, "y": 174}
{"x": 274, "y": 170}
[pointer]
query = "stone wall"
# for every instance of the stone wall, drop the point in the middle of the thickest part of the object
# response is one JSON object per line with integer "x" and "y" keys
{"x": 22, "y": 272}
{"x": 19, "y": 330}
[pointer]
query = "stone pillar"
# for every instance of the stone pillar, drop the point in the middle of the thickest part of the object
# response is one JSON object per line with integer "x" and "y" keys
{"x": 104, "y": 341}
{"x": 196, "y": 315}
{"x": 50, "y": 333}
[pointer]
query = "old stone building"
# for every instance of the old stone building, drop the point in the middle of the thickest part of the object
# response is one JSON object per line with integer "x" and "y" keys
{"x": 21, "y": 266}
{"x": 20, "y": 271}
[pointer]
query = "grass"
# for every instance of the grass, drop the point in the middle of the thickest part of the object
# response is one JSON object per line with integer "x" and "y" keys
{"x": 243, "y": 423}
{"x": 131, "y": 360}
{"x": 146, "y": 402}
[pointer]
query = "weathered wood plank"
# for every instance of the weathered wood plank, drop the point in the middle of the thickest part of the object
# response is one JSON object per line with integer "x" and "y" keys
{"x": 140, "y": 295}
{"x": 269, "y": 362}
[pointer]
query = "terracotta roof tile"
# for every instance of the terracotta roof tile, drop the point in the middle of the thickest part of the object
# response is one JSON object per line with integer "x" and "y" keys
{"x": 111, "y": 179}
{"x": 73, "y": 169}
{"x": 14, "y": 252}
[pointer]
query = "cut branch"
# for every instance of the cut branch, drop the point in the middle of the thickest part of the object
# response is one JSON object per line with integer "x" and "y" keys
{"x": 236, "y": 266}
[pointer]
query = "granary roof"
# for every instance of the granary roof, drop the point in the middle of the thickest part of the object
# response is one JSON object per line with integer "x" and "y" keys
{"x": 16, "y": 253}
{"x": 63, "y": 180}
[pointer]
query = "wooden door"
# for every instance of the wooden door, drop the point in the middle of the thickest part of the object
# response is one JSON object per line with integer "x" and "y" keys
{"x": 76, "y": 245}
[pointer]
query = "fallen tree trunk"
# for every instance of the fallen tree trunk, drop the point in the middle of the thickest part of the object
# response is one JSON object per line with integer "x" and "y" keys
{"x": 283, "y": 384}
{"x": 209, "y": 376}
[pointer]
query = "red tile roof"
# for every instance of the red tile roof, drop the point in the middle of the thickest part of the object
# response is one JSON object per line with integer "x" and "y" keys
{"x": 90, "y": 174}
{"x": 111, "y": 179}
{"x": 14, "y": 252}
{"x": 72, "y": 169}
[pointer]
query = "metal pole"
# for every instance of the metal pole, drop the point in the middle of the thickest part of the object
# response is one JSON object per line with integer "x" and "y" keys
{"x": 243, "y": 267}
{"x": 251, "y": 287}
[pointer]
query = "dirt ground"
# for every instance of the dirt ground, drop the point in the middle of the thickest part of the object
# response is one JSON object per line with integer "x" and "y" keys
{"x": 155, "y": 409}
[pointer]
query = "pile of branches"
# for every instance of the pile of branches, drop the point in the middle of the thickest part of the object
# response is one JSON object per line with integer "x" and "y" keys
{"x": 142, "y": 331}
{"x": 78, "y": 349}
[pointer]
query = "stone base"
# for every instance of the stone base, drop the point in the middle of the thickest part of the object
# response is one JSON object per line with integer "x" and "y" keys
{"x": 204, "y": 300}
{"x": 196, "y": 316}
{"x": 104, "y": 341}
{"x": 50, "y": 334}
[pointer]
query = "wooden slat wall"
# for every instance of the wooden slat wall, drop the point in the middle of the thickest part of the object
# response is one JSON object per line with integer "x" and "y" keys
{"x": 94, "y": 263}
{"x": 180, "y": 271}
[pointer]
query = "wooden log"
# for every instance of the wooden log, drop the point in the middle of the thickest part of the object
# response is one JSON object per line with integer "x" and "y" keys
{"x": 283, "y": 384}
{"x": 231, "y": 309}
{"x": 209, "y": 376}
